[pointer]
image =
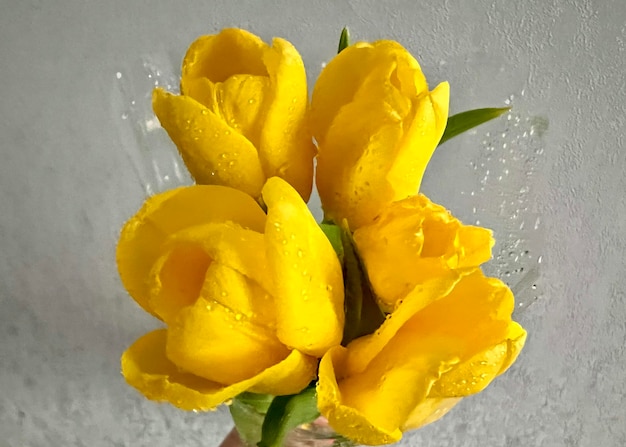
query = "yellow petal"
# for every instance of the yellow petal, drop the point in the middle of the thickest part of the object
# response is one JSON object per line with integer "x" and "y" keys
{"x": 212, "y": 151}
{"x": 286, "y": 148}
{"x": 162, "y": 215}
{"x": 364, "y": 349}
{"x": 354, "y": 159}
{"x": 309, "y": 288}
{"x": 382, "y": 397}
{"x": 221, "y": 344}
{"x": 230, "y": 244}
{"x": 238, "y": 101}
{"x": 344, "y": 74}
{"x": 388, "y": 123}
{"x": 477, "y": 313}
{"x": 346, "y": 420}
{"x": 428, "y": 411}
{"x": 240, "y": 294}
{"x": 145, "y": 367}
{"x": 474, "y": 374}
{"x": 425, "y": 130}
{"x": 217, "y": 57}
{"x": 177, "y": 278}
{"x": 415, "y": 240}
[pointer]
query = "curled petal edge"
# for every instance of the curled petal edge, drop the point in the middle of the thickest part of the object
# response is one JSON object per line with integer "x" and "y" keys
{"x": 146, "y": 368}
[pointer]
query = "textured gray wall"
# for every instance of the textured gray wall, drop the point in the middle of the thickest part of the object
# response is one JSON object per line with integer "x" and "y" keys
{"x": 67, "y": 185}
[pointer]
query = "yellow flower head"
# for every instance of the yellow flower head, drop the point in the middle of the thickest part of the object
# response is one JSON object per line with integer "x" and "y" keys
{"x": 250, "y": 301}
{"x": 415, "y": 240}
{"x": 438, "y": 346}
{"x": 241, "y": 117}
{"x": 376, "y": 125}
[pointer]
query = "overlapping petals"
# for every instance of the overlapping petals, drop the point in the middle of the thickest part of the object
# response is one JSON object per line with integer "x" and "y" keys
{"x": 376, "y": 125}
{"x": 252, "y": 299}
{"x": 415, "y": 240}
{"x": 208, "y": 262}
{"x": 417, "y": 366}
{"x": 241, "y": 117}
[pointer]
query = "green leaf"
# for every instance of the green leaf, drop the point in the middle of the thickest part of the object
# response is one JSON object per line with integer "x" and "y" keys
{"x": 363, "y": 316}
{"x": 248, "y": 412}
{"x": 333, "y": 233}
{"x": 464, "y": 121}
{"x": 353, "y": 286}
{"x": 286, "y": 413}
{"x": 344, "y": 39}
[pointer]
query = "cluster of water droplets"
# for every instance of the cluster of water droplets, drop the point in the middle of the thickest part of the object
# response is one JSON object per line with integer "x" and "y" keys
{"x": 509, "y": 176}
{"x": 151, "y": 152}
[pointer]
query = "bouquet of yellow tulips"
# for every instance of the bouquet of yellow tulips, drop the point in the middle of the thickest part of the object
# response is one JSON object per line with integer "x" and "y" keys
{"x": 379, "y": 318}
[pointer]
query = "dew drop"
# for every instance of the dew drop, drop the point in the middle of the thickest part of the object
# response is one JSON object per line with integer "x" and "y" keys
{"x": 118, "y": 75}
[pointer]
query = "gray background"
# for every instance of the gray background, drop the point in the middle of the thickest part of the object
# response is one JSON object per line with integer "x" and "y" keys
{"x": 69, "y": 177}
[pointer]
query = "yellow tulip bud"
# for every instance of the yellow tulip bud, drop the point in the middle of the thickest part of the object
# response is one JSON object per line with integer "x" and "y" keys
{"x": 250, "y": 300}
{"x": 421, "y": 361}
{"x": 415, "y": 240}
{"x": 241, "y": 117}
{"x": 376, "y": 125}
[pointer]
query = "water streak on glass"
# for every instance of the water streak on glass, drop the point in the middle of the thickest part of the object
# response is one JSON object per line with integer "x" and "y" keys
{"x": 508, "y": 181}
{"x": 153, "y": 155}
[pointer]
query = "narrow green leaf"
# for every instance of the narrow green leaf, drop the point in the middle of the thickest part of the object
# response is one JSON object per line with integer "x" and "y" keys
{"x": 248, "y": 412}
{"x": 363, "y": 316}
{"x": 286, "y": 413}
{"x": 353, "y": 286}
{"x": 464, "y": 121}
{"x": 344, "y": 39}
{"x": 333, "y": 233}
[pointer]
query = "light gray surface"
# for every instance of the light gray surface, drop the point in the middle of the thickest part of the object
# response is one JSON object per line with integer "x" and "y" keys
{"x": 67, "y": 186}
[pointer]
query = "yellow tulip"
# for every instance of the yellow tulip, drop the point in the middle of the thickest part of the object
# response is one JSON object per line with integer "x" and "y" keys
{"x": 415, "y": 240}
{"x": 241, "y": 117}
{"x": 376, "y": 125}
{"x": 250, "y": 301}
{"x": 438, "y": 347}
